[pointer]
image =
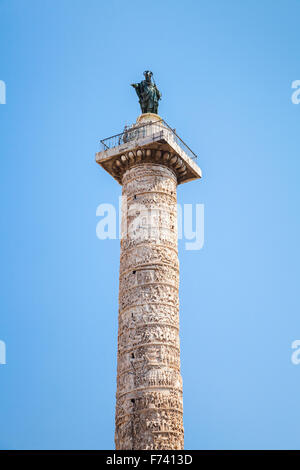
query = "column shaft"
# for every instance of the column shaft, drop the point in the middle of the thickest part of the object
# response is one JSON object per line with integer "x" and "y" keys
{"x": 149, "y": 384}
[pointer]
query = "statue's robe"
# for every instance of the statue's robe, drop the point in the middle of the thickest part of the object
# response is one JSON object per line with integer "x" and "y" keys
{"x": 148, "y": 96}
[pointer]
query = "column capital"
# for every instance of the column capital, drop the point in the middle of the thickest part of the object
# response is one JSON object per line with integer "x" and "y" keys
{"x": 149, "y": 140}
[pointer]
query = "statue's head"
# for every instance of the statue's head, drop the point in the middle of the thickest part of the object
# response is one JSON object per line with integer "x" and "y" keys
{"x": 148, "y": 74}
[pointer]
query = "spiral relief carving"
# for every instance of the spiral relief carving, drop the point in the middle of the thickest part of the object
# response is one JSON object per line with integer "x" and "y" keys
{"x": 149, "y": 384}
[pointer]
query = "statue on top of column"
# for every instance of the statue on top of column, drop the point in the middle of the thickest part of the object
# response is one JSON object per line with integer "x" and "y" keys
{"x": 148, "y": 94}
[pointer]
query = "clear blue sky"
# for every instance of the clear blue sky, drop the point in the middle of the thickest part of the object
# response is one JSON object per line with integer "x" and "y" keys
{"x": 225, "y": 69}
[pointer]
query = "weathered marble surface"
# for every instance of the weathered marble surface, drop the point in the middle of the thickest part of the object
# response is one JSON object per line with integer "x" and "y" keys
{"x": 149, "y": 384}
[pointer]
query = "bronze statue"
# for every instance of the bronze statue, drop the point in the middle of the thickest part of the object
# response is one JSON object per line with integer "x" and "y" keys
{"x": 148, "y": 94}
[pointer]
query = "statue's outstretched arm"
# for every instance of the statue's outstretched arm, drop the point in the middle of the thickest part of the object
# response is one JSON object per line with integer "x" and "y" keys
{"x": 137, "y": 88}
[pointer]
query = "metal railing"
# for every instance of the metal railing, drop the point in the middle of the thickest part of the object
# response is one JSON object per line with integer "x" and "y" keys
{"x": 154, "y": 129}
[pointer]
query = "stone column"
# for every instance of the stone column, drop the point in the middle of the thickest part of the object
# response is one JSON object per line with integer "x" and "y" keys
{"x": 149, "y": 384}
{"x": 149, "y": 160}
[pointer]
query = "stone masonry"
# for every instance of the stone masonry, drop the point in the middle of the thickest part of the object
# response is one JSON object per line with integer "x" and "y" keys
{"x": 149, "y": 407}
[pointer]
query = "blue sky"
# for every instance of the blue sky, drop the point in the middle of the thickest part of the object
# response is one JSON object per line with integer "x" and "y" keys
{"x": 225, "y": 70}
